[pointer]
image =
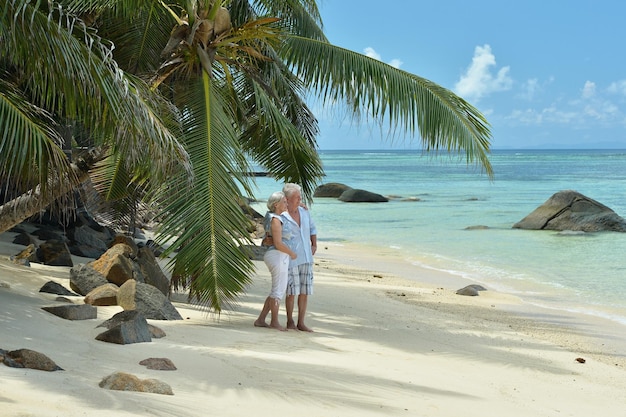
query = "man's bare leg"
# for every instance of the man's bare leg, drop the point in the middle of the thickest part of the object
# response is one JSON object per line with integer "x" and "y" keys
{"x": 289, "y": 304}
{"x": 302, "y": 304}
{"x": 260, "y": 322}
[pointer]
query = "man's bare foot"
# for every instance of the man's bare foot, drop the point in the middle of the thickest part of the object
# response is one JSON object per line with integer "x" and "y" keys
{"x": 303, "y": 328}
{"x": 278, "y": 327}
{"x": 291, "y": 325}
{"x": 260, "y": 323}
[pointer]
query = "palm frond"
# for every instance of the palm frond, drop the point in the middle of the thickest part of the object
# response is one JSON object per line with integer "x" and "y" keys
{"x": 203, "y": 217}
{"x": 139, "y": 31}
{"x": 111, "y": 178}
{"x": 82, "y": 82}
{"x": 410, "y": 104}
{"x": 30, "y": 147}
{"x": 277, "y": 135}
{"x": 297, "y": 17}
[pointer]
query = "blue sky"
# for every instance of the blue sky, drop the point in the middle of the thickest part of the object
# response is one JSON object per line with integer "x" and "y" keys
{"x": 546, "y": 74}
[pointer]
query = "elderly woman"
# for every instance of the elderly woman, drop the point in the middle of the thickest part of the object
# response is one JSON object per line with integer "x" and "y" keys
{"x": 276, "y": 258}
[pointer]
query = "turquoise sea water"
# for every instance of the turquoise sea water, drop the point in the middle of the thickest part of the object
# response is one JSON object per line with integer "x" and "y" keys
{"x": 437, "y": 198}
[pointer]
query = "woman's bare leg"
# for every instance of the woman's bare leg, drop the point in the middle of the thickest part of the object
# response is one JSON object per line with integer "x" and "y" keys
{"x": 274, "y": 306}
{"x": 260, "y": 322}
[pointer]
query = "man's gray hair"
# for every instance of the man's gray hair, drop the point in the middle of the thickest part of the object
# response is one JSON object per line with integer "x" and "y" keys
{"x": 274, "y": 199}
{"x": 291, "y": 188}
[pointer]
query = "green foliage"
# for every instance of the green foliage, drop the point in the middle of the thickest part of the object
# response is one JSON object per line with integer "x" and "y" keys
{"x": 203, "y": 214}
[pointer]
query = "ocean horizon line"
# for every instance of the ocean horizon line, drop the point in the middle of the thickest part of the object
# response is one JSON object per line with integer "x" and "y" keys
{"x": 456, "y": 152}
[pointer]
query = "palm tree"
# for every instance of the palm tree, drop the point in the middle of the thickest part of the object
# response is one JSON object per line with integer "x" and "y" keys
{"x": 237, "y": 73}
{"x": 59, "y": 82}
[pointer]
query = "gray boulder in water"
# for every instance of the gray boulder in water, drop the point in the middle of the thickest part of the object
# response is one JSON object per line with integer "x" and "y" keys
{"x": 331, "y": 189}
{"x": 570, "y": 210}
{"x": 361, "y": 196}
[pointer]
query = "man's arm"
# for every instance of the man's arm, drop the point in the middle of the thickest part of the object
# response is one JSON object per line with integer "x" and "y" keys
{"x": 313, "y": 233}
{"x": 313, "y": 244}
{"x": 267, "y": 240}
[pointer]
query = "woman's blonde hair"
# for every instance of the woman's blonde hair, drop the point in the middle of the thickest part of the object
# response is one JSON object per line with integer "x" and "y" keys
{"x": 274, "y": 199}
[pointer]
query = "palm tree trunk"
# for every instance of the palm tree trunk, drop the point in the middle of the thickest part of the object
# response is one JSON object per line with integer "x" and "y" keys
{"x": 33, "y": 201}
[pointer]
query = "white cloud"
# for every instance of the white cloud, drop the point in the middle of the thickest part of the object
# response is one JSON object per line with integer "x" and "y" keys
{"x": 526, "y": 117}
{"x": 533, "y": 89}
{"x": 554, "y": 115}
{"x": 370, "y": 52}
{"x": 589, "y": 90}
{"x": 395, "y": 63}
{"x": 593, "y": 110}
{"x": 547, "y": 115}
{"x": 593, "y": 107}
{"x": 529, "y": 89}
{"x": 602, "y": 111}
{"x": 618, "y": 87}
{"x": 478, "y": 81}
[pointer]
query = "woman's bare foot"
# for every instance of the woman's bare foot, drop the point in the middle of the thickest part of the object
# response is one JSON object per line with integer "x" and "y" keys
{"x": 278, "y": 327}
{"x": 303, "y": 328}
{"x": 291, "y": 325}
{"x": 260, "y": 323}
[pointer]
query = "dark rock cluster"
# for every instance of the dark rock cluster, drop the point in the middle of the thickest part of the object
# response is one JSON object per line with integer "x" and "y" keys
{"x": 53, "y": 243}
{"x": 348, "y": 194}
{"x": 123, "y": 274}
{"x": 123, "y": 328}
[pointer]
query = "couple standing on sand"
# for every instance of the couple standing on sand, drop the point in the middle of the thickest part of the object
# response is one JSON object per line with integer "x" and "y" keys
{"x": 291, "y": 237}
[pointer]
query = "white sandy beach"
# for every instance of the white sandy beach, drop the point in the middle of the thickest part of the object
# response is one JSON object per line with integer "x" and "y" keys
{"x": 383, "y": 345}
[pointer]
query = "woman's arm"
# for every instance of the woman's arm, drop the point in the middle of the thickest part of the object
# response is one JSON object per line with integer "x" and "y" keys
{"x": 277, "y": 236}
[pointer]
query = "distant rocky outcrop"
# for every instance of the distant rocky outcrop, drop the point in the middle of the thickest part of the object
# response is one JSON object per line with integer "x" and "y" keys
{"x": 362, "y": 196}
{"x": 570, "y": 210}
{"x": 331, "y": 189}
{"x": 477, "y": 227}
{"x": 349, "y": 194}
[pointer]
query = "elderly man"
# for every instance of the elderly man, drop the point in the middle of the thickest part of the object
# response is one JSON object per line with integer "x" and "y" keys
{"x": 300, "y": 281}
